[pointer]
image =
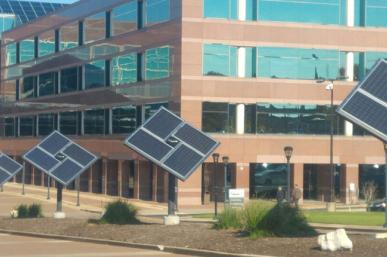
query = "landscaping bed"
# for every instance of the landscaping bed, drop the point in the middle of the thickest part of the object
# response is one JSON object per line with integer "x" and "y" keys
{"x": 193, "y": 235}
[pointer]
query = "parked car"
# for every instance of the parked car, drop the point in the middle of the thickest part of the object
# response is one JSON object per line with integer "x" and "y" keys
{"x": 377, "y": 205}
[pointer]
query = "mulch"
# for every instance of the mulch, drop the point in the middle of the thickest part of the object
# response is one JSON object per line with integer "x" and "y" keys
{"x": 196, "y": 235}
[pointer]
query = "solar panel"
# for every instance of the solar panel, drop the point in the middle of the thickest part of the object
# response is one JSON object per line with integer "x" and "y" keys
{"x": 171, "y": 143}
{"x": 366, "y": 105}
{"x": 60, "y": 158}
{"x": 8, "y": 168}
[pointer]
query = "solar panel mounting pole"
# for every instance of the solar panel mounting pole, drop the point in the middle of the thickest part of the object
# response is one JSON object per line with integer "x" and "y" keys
{"x": 59, "y": 214}
{"x": 24, "y": 178}
{"x": 78, "y": 188}
{"x": 48, "y": 187}
{"x": 385, "y": 185}
{"x": 172, "y": 218}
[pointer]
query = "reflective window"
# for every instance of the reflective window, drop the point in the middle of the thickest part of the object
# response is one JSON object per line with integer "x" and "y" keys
{"x": 10, "y": 127}
{"x": 219, "y": 60}
{"x": 371, "y": 58}
{"x": 157, "y": 11}
{"x": 69, "y": 34}
{"x": 374, "y": 174}
{"x": 94, "y": 122}
{"x": 69, "y": 80}
{"x": 9, "y": 90}
{"x": 151, "y": 109}
{"x": 265, "y": 179}
{"x": 95, "y": 74}
{"x": 11, "y": 57}
{"x": 297, "y": 63}
{"x": 94, "y": 27}
{"x": 371, "y": 13}
{"x": 224, "y": 9}
{"x": 219, "y": 117}
{"x": 157, "y": 63}
{"x": 47, "y": 43}
{"x": 124, "y": 119}
{"x": 124, "y": 18}
{"x": 27, "y": 50}
{"x": 47, "y": 82}
{"x": 27, "y": 88}
{"x": 27, "y": 126}
{"x": 7, "y": 22}
{"x": 124, "y": 69}
{"x": 68, "y": 123}
{"x": 46, "y": 124}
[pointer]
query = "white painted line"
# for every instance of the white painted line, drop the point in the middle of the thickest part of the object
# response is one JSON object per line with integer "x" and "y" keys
{"x": 99, "y": 254}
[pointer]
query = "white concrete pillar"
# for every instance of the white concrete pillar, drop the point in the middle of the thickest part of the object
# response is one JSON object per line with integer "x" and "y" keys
{"x": 242, "y": 10}
{"x": 348, "y": 129}
{"x": 350, "y": 73}
{"x": 241, "y": 62}
{"x": 350, "y": 13}
{"x": 240, "y": 119}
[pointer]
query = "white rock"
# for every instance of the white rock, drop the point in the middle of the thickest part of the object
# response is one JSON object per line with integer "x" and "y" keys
{"x": 334, "y": 241}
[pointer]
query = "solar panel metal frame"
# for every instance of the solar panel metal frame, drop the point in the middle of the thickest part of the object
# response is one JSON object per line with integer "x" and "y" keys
{"x": 161, "y": 162}
{"x": 7, "y": 172}
{"x": 60, "y": 162}
{"x": 340, "y": 110}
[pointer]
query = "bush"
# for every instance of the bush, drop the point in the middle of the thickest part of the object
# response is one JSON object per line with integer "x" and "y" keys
{"x": 35, "y": 211}
{"x": 229, "y": 218}
{"x": 120, "y": 213}
{"x": 253, "y": 215}
{"x": 22, "y": 211}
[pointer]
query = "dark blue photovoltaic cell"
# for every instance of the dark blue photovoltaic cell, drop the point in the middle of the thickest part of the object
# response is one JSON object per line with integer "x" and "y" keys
{"x": 4, "y": 177}
{"x": 376, "y": 82}
{"x": 195, "y": 138}
{"x": 162, "y": 124}
{"x": 9, "y": 165}
{"x": 149, "y": 145}
{"x": 78, "y": 154}
{"x": 54, "y": 143}
{"x": 183, "y": 160}
{"x": 41, "y": 159}
{"x": 67, "y": 171}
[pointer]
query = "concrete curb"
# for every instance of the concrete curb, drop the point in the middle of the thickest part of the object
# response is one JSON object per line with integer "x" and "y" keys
{"x": 169, "y": 249}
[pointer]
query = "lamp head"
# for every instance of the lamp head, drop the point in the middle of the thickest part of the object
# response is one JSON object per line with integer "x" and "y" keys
{"x": 225, "y": 159}
{"x": 288, "y": 152}
{"x": 215, "y": 157}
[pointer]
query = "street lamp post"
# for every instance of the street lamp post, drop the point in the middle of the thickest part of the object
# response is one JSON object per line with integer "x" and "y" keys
{"x": 225, "y": 162}
{"x": 215, "y": 158}
{"x": 288, "y": 153}
{"x": 332, "y": 168}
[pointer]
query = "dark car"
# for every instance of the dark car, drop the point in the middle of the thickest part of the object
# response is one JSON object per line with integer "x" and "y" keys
{"x": 377, "y": 205}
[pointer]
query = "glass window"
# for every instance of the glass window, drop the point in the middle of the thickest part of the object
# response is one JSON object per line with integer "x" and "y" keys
{"x": 157, "y": 64}
{"x": 27, "y": 126}
{"x": 151, "y": 109}
{"x": 124, "y": 119}
{"x": 9, "y": 130}
{"x": 9, "y": 91}
{"x": 371, "y": 13}
{"x": 27, "y": 50}
{"x": 372, "y": 174}
{"x": 46, "y": 124}
{"x": 298, "y": 63}
{"x": 68, "y": 123}
{"x": 47, "y": 43}
{"x": 47, "y": 83}
{"x": 10, "y": 54}
{"x": 157, "y": 11}
{"x": 94, "y": 122}
{"x": 224, "y": 9}
{"x": 94, "y": 27}
{"x": 219, "y": 60}
{"x": 69, "y": 34}
{"x": 69, "y": 80}
{"x": 124, "y": 69}
{"x": 265, "y": 179}
{"x": 219, "y": 117}
{"x": 7, "y": 22}
{"x": 371, "y": 58}
{"x": 124, "y": 18}
{"x": 95, "y": 74}
{"x": 250, "y": 118}
{"x": 305, "y": 11}
{"x": 27, "y": 88}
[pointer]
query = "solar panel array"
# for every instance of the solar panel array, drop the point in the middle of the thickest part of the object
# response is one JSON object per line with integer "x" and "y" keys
{"x": 60, "y": 158}
{"x": 172, "y": 144}
{"x": 27, "y": 11}
{"x": 366, "y": 106}
{"x": 8, "y": 168}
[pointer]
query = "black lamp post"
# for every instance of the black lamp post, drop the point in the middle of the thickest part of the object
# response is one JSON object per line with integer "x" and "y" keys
{"x": 225, "y": 162}
{"x": 288, "y": 153}
{"x": 215, "y": 157}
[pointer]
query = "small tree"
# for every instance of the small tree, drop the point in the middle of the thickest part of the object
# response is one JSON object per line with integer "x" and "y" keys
{"x": 369, "y": 191}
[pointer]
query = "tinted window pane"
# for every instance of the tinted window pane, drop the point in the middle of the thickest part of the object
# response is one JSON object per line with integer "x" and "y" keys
{"x": 46, "y": 124}
{"x": 218, "y": 117}
{"x": 124, "y": 18}
{"x": 27, "y": 126}
{"x": 7, "y": 23}
{"x": 94, "y": 122}
{"x": 47, "y": 43}
{"x": 157, "y": 11}
{"x": 27, "y": 87}
{"x": 265, "y": 179}
{"x": 95, "y": 27}
{"x": 69, "y": 36}
{"x": 27, "y": 50}
{"x": 219, "y": 60}
{"x": 375, "y": 13}
{"x": 157, "y": 63}
{"x": 68, "y": 123}
{"x": 9, "y": 127}
{"x": 124, "y": 119}
{"x": 150, "y": 109}
{"x": 95, "y": 74}
{"x": 226, "y": 9}
{"x": 10, "y": 54}
{"x": 69, "y": 80}
{"x": 124, "y": 69}
{"x": 372, "y": 174}
{"x": 47, "y": 83}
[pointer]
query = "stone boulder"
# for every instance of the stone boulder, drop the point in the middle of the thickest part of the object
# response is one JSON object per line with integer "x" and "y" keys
{"x": 334, "y": 241}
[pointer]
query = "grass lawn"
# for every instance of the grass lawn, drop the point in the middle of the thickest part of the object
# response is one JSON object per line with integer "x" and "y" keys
{"x": 346, "y": 218}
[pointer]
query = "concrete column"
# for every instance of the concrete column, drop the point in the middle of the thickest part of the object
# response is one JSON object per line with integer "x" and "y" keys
{"x": 90, "y": 179}
{"x": 154, "y": 183}
{"x": 297, "y": 178}
{"x": 241, "y": 62}
{"x": 104, "y": 176}
{"x": 348, "y": 129}
{"x": 350, "y": 13}
{"x": 240, "y": 119}
{"x": 350, "y": 72}
{"x": 136, "y": 193}
{"x": 350, "y": 183}
{"x": 119, "y": 178}
{"x": 32, "y": 175}
{"x": 243, "y": 178}
{"x": 242, "y": 10}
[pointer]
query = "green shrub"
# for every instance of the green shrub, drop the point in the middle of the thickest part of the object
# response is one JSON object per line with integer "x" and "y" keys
{"x": 229, "y": 218}
{"x": 35, "y": 211}
{"x": 120, "y": 213}
{"x": 22, "y": 211}
{"x": 253, "y": 214}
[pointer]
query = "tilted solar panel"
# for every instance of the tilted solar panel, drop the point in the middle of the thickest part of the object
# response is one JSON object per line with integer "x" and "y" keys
{"x": 8, "y": 168}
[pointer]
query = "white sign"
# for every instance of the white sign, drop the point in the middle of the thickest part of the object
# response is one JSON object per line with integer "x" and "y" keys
{"x": 236, "y": 193}
{"x": 352, "y": 187}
